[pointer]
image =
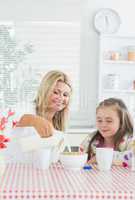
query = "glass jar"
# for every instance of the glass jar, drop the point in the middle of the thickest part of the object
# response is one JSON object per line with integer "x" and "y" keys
{"x": 115, "y": 55}
{"x": 112, "y": 81}
{"x": 131, "y": 53}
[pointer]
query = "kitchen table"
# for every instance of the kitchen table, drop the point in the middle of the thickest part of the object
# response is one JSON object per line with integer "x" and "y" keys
{"x": 26, "y": 182}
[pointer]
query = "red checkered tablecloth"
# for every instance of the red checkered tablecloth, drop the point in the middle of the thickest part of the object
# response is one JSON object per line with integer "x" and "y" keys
{"x": 23, "y": 181}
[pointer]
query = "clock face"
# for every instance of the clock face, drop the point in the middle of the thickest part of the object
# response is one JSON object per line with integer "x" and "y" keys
{"x": 107, "y": 21}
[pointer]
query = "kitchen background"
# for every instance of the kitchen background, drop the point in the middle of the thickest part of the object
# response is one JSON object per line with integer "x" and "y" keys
{"x": 77, "y": 15}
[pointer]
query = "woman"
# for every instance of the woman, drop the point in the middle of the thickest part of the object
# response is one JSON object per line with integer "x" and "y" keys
{"x": 51, "y": 105}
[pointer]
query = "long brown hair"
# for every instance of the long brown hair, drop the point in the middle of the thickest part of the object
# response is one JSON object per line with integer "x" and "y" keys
{"x": 126, "y": 124}
{"x": 47, "y": 84}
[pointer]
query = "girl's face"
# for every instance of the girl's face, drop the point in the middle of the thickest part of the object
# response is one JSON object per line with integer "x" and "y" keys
{"x": 59, "y": 97}
{"x": 107, "y": 121}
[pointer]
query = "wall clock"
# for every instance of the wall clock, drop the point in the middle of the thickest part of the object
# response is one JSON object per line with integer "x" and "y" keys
{"x": 107, "y": 21}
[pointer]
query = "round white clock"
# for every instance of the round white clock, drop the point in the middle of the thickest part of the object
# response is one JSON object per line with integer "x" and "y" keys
{"x": 107, "y": 21}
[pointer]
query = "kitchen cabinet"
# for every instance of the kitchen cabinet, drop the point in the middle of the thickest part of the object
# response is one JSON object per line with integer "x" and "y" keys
{"x": 117, "y": 69}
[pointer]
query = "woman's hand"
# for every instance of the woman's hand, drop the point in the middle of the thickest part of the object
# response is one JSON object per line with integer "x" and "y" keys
{"x": 43, "y": 126}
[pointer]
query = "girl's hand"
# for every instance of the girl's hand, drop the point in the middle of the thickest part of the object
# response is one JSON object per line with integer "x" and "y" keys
{"x": 43, "y": 126}
{"x": 92, "y": 160}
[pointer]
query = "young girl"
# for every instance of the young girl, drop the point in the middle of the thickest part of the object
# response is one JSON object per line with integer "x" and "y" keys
{"x": 114, "y": 129}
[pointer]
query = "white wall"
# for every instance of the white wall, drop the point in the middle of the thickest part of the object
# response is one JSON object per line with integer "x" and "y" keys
{"x": 40, "y": 10}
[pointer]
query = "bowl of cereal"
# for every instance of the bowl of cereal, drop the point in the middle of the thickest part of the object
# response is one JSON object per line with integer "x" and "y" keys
{"x": 73, "y": 160}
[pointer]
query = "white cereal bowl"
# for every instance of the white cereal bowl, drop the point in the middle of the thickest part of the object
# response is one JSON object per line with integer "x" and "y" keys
{"x": 73, "y": 160}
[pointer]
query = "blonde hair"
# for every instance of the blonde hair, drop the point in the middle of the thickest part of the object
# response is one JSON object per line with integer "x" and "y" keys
{"x": 126, "y": 124}
{"x": 46, "y": 86}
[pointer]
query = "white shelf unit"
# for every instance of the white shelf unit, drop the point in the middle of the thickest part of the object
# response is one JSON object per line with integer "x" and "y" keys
{"x": 122, "y": 70}
{"x": 119, "y": 62}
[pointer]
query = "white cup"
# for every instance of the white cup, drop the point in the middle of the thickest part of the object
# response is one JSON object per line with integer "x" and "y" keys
{"x": 42, "y": 158}
{"x": 104, "y": 157}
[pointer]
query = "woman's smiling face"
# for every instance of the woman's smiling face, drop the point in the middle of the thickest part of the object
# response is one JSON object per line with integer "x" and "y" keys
{"x": 107, "y": 121}
{"x": 59, "y": 97}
